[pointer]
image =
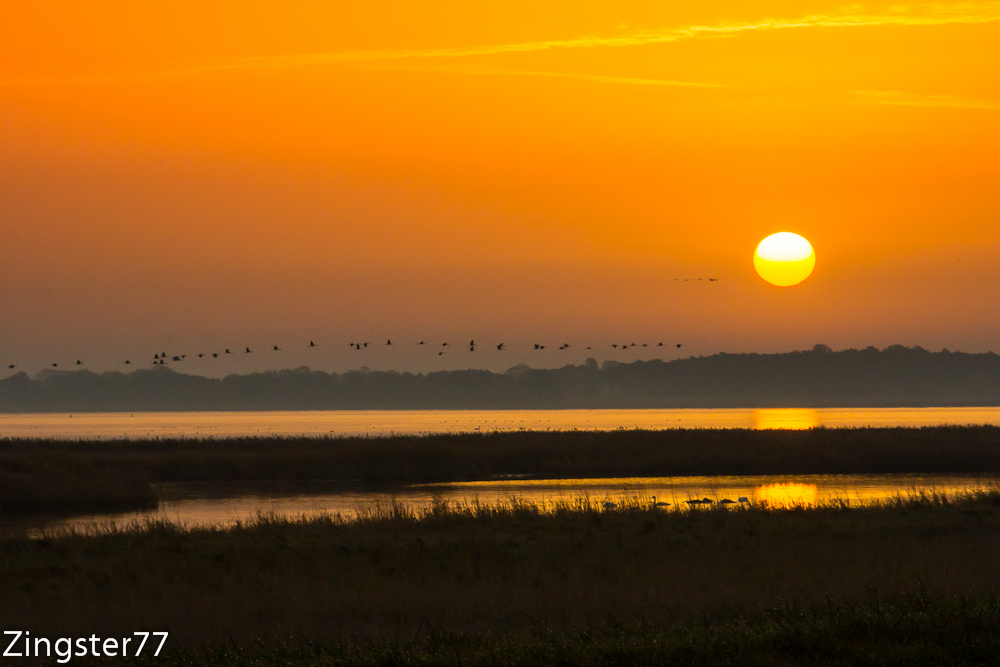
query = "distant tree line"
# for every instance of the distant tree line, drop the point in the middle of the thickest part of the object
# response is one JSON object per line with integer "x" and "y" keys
{"x": 897, "y": 376}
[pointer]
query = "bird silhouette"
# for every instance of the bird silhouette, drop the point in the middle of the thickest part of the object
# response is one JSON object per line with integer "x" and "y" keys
{"x": 537, "y": 346}
{"x": 200, "y": 356}
{"x": 11, "y": 366}
{"x": 440, "y": 353}
{"x": 248, "y": 351}
{"x": 183, "y": 356}
{"x": 713, "y": 280}
{"x": 565, "y": 344}
{"x": 127, "y": 361}
{"x": 609, "y": 505}
{"x": 215, "y": 355}
{"x": 163, "y": 355}
{"x": 227, "y": 351}
{"x": 472, "y": 348}
{"x": 176, "y": 359}
{"x": 659, "y": 504}
{"x": 156, "y": 356}
{"x": 312, "y": 344}
{"x": 276, "y": 348}
{"x": 644, "y": 345}
{"x": 79, "y": 363}
{"x": 614, "y": 345}
{"x": 589, "y": 348}
{"x": 659, "y": 345}
{"x": 678, "y": 344}
{"x": 444, "y": 344}
{"x": 55, "y": 365}
{"x": 388, "y": 342}
{"x": 472, "y": 343}
{"x": 366, "y": 344}
{"x": 500, "y": 346}
{"x": 633, "y": 344}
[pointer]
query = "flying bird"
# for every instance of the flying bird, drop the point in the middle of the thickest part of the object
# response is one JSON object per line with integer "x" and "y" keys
{"x": 713, "y": 280}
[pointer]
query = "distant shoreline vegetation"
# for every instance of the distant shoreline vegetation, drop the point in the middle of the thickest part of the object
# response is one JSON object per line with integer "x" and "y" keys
{"x": 896, "y": 376}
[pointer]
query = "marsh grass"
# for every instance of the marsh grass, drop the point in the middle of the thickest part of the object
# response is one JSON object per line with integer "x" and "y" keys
{"x": 66, "y": 476}
{"x": 514, "y": 582}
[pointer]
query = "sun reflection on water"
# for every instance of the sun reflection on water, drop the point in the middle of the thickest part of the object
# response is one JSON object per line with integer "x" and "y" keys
{"x": 785, "y": 418}
{"x": 787, "y": 495}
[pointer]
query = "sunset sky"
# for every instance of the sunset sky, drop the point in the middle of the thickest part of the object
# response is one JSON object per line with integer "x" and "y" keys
{"x": 201, "y": 175}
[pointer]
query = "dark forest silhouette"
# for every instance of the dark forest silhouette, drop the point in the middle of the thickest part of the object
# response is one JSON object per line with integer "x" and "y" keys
{"x": 895, "y": 376}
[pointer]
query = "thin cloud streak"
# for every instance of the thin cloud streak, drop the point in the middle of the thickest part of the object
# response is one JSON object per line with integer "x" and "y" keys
{"x": 580, "y": 76}
{"x": 897, "y": 98}
{"x": 970, "y": 13}
{"x": 914, "y": 15}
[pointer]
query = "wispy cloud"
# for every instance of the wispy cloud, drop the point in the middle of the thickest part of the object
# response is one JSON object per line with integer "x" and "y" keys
{"x": 580, "y": 76}
{"x": 907, "y": 15}
{"x": 897, "y": 98}
{"x": 926, "y": 14}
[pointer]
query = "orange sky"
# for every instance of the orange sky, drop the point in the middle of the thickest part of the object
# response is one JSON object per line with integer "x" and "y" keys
{"x": 194, "y": 178}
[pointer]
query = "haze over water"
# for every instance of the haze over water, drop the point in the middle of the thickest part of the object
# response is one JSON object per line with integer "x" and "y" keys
{"x": 418, "y": 422}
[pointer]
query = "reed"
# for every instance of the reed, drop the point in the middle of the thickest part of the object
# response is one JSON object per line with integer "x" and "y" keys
{"x": 512, "y": 582}
{"x": 119, "y": 472}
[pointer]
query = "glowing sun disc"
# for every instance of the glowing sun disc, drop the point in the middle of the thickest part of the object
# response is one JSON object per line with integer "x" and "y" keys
{"x": 784, "y": 259}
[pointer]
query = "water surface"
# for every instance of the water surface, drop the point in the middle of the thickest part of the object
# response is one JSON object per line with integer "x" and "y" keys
{"x": 224, "y": 504}
{"x": 419, "y": 422}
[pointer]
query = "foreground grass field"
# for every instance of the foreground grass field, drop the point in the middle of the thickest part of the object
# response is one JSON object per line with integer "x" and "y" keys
{"x": 911, "y": 581}
{"x": 73, "y": 476}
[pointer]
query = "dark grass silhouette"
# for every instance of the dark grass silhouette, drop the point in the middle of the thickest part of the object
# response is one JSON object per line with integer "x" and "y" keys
{"x": 51, "y": 475}
{"x": 910, "y": 581}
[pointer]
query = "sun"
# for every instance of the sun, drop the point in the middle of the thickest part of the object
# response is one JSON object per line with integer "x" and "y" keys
{"x": 784, "y": 259}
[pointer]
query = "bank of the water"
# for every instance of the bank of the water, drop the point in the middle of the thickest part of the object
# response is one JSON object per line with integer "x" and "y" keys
{"x": 910, "y": 581}
{"x": 37, "y": 476}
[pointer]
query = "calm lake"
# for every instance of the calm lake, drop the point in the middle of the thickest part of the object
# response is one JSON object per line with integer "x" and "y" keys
{"x": 418, "y": 422}
{"x": 222, "y": 504}
{"x": 219, "y": 504}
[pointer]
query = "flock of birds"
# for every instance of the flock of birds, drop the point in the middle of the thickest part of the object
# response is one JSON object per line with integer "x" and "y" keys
{"x": 704, "y": 501}
{"x": 163, "y": 358}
